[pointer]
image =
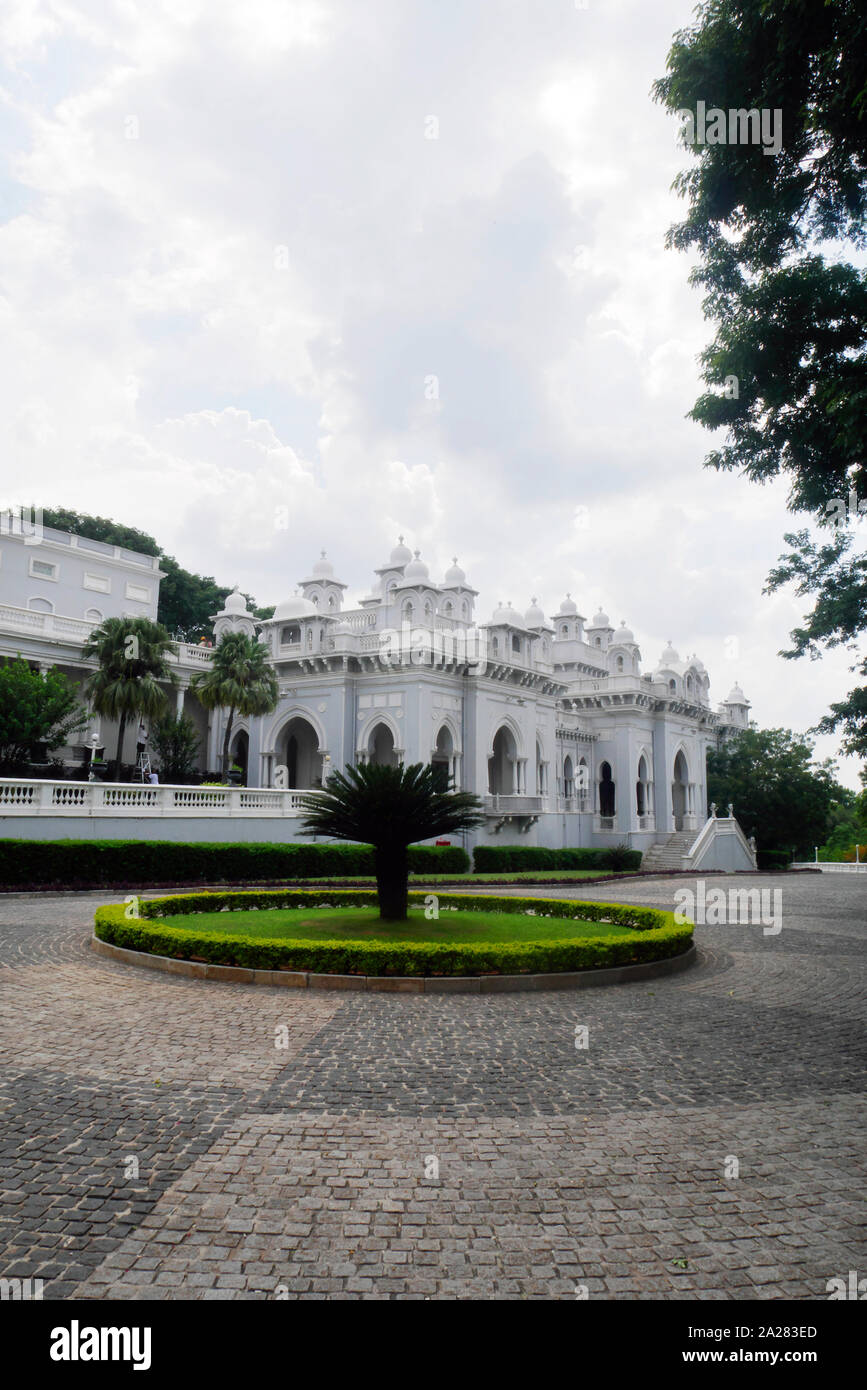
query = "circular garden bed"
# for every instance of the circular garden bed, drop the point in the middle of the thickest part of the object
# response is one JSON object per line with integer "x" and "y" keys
{"x": 339, "y": 932}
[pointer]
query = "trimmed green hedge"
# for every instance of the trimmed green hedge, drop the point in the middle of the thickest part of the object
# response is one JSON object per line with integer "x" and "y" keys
{"x": 504, "y": 859}
{"x": 93, "y": 863}
{"x": 651, "y": 935}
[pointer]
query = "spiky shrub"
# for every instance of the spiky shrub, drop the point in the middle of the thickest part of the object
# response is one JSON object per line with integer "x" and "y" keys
{"x": 389, "y": 808}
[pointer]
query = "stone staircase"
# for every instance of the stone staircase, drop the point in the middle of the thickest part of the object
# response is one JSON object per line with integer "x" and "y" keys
{"x": 668, "y": 857}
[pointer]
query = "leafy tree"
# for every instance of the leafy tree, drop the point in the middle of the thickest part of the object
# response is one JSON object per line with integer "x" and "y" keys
{"x": 35, "y": 708}
{"x": 187, "y": 601}
{"x": 176, "y": 741}
{"x": 787, "y": 372}
{"x": 240, "y": 679}
{"x": 779, "y": 794}
{"x": 132, "y": 656}
{"x": 389, "y": 808}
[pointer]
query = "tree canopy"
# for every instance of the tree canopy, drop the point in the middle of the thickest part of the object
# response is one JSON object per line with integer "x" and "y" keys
{"x": 780, "y": 795}
{"x": 35, "y": 708}
{"x": 786, "y": 375}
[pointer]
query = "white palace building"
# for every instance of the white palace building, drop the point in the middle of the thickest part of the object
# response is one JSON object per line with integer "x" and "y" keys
{"x": 549, "y": 718}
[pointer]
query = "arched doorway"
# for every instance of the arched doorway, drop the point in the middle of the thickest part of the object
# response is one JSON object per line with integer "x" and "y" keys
{"x": 298, "y": 751}
{"x": 607, "y": 799}
{"x": 239, "y": 753}
{"x": 582, "y": 783}
{"x": 680, "y": 791}
{"x": 568, "y": 777}
{"x": 502, "y": 763}
{"x": 380, "y": 747}
{"x": 441, "y": 762}
{"x": 641, "y": 802}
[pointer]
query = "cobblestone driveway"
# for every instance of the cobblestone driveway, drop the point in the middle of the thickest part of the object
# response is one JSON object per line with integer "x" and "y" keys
{"x": 157, "y": 1143}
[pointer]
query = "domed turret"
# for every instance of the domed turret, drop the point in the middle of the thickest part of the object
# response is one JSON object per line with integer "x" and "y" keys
{"x": 504, "y": 615}
{"x": 454, "y": 573}
{"x": 294, "y": 607}
{"x": 417, "y": 570}
{"x": 401, "y": 555}
{"x": 736, "y": 696}
{"x": 624, "y": 636}
{"x": 235, "y": 603}
{"x": 669, "y": 656}
{"x": 534, "y": 617}
{"x": 601, "y": 619}
{"x": 323, "y": 569}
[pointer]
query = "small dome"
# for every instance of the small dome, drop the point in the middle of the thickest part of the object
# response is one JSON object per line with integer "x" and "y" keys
{"x": 235, "y": 602}
{"x": 295, "y": 607}
{"x": 454, "y": 574}
{"x": 534, "y": 617}
{"x": 736, "y": 696}
{"x": 697, "y": 663}
{"x": 568, "y": 607}
{"x": 416, "y": 569}
{"x": 601, "y": 619}
{"x": 669, "y": 656}
{"x": 505, "y": 614}
{"x": 401, "y": 555}
{"x": 623, "y": 636}
{"x": 323, "y": 569}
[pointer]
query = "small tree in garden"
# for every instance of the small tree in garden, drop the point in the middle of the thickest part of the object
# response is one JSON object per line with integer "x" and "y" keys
{"x": 389, "y": 808}
{"x": 133, "y": 658}
{"x": 35, "y": 708}
{"x": 240, "y": 679}
{"x": 176, "y": 742}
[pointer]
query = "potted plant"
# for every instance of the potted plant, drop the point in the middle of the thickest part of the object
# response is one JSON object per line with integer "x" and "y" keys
{"x": 234, "y": 775}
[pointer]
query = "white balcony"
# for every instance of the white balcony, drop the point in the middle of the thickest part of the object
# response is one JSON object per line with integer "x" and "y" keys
{"x": 32, "y": 797}
{"x": 506, "y": 805}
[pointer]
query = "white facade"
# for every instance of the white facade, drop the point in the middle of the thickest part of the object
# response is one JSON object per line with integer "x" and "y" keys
{"x": 551, "y": 720}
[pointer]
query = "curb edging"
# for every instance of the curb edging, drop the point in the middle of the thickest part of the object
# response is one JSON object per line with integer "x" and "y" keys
{"x": 400, "y": 984}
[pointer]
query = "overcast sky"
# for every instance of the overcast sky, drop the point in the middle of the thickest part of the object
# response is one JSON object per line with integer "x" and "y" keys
{"x": 278, "y": 276}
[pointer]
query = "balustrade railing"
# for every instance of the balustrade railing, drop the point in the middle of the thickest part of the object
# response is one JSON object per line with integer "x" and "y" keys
{"x": 31, "y": 796}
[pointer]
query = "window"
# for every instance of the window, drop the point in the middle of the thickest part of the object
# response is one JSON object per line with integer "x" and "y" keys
{"x": 314, "y": 599}
{"x": 620, "y": 663}
{"x": 672, "y": 685}
{"x": 100, "y": 582}
{"x": 447, "y": 609}
{"x": 140, "y": 593}
{"x": 330, "y": 600}
{"x": 495, "y": 644}
{"x": 43, "y": 569}
{"x": 599, "y": 641}
{"x": 93, "y": 615}
{"x": 290, "y": 635}
{"x": 40, "y": 605}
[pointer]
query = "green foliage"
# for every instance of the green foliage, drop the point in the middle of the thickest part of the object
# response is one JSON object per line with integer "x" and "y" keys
{"x": 100, "y": 528}
{"x": 390, "y": 808}
{"x": 791, "y": 323}
{"x": 132, "y": 863}
{"x": 176, "y": 743}
{"x": 35, "y": 708}
{"x": 654, "y": 935}
{"x": 773, "y": 860}
{"x": 132, "y": 656}
{"x": 489, "y": 859}
{"x": 779, "y": 794}
{"x": 240, "y": 679}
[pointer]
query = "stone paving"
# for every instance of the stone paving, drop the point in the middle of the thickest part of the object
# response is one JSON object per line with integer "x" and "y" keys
{"x": 171, "y": 1138}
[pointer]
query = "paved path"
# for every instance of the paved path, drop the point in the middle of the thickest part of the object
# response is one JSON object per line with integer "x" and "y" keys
{"x": 156, "y": 1142}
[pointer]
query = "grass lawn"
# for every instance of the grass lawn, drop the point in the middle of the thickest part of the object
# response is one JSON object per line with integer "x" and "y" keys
{"x": 363, "y": 924}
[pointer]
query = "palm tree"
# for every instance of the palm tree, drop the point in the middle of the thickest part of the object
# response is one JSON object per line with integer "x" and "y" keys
{"x": 133, "y": 657}
{"x": 240, "y": 680}
{"x": 389, "y": 808}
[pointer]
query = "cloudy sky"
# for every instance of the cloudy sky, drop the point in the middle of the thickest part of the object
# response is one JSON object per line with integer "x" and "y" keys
{"x": 280, "y": 275}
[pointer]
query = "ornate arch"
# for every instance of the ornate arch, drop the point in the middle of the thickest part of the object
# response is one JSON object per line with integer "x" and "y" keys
{"x": 446, "y": 720}
{"x": 283, "y": 717}
{"x": 506, "y": 721}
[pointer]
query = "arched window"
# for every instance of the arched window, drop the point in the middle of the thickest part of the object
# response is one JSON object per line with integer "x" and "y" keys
{"x": 93, "y": 615}
{"x": 564, "y": 630}
{"x": 330, "y": 600}
{"x": 516, "y": 642}
{"x": 672, "y": 685}
{"x": 599, "y": 641}
{"x": 447, "y": 609}
{"x": 689, "y": 685}
{"x": 314, "y": 599}
{"x": 310, "y": 636}
{"x": 407, "y": 611}
{"x": 290, "y": 635}
{"x": 428, "y": 611}
{"x": 40, "y": 605}
{"x": 620, "y": 663}
{"x": 465, "y": 608}
{"x": 495, "y": 644}
{"x": 606, "y": 791}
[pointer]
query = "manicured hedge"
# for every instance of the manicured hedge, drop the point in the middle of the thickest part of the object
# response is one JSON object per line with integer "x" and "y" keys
{"x": 774, "y": 859}
{"x": 654, "y": 935}
{"x": 489, "y": 859}
{"x": 92, "y": 863}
